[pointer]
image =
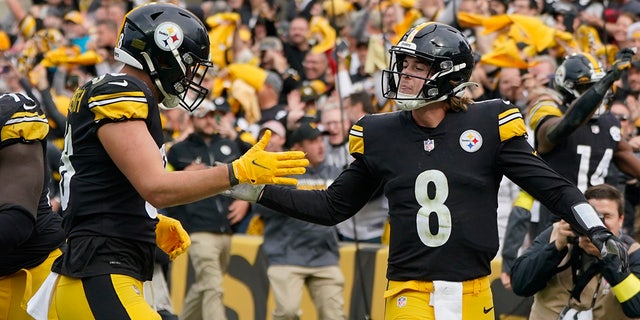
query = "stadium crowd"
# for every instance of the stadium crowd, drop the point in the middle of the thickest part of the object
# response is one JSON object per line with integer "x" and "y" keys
{"x": 307, "y": 71}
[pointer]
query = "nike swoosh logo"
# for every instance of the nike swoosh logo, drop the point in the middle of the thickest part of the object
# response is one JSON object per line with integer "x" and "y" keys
{"x": 28, "y": 107}
{"x": 485, "y": 310}
{"x": 123, "y": 83}
{"x": 257, "y": 164}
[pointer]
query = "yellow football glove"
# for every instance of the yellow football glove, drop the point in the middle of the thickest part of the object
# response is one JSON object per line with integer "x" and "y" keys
{"x": 257, "y": 166}
{"x": 171, "y": 237}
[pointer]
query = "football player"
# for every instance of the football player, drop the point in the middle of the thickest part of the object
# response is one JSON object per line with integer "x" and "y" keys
{"x": 575, "y": 136}
{"x": 30, "y": 233}
{"x": 113, "y": 176}
{"x": 441, "y": 158}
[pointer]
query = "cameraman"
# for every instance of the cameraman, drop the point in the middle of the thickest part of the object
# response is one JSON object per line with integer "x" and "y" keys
{"x": 569, "y": 278}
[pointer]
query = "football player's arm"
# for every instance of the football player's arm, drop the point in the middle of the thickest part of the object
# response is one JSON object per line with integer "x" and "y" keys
{"x": 520, "y": 164}
{"x": 533, "y": 269}
{"x": 625, "y": 285}
{"x": 136, "y": 154}
{"x": 626, "y": 160}
{"x": 23, "y": 165}
{"x": 583, "y": 108}
{"x": 344, "y": 197}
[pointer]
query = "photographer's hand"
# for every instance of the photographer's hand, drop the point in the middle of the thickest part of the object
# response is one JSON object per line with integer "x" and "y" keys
{"x": 561, "y": 234}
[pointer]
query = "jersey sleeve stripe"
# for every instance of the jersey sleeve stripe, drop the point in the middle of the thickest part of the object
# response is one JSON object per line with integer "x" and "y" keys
{"x": 30, "y": 128}
{"x": 511, "y": 124}
{"x": 126, "y": 105}
{"x": 356, "y": 140}
{"x": 541, "y": 110}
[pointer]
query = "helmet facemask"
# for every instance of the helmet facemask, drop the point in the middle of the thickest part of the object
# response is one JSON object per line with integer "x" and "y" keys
{"x": 182, "y": 88}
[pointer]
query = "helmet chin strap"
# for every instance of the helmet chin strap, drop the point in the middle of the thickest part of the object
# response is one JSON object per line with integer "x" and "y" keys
{"x": 169, "y": 101}
{"x": 412, "y": 103}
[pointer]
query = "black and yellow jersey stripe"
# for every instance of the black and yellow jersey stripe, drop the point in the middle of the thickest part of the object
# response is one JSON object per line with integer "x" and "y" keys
{"x": 21, "y": 120}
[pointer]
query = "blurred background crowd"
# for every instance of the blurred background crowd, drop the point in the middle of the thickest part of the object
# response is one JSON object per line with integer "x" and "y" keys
{"x": 290, "y": 61}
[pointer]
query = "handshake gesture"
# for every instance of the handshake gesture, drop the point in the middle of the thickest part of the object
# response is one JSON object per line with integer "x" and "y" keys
{"x": 258, "y": 166}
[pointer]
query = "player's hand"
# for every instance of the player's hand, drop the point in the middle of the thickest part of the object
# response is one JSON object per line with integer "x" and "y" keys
{"x": 608, "y": 244}
{"x": 171, "y": 237}
{"x": 246, "y": 192}
{"x": 257, "y": 166}
{"x": 622, "y": 62}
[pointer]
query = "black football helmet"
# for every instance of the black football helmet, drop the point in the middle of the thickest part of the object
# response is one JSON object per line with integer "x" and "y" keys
{"x": 577, "y": 73}
{"x": 445, "y": 50}
{"x": 172, "y": 46}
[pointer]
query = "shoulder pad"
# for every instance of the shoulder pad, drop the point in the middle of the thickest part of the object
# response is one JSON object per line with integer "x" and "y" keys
{"x": 21, "y": 119}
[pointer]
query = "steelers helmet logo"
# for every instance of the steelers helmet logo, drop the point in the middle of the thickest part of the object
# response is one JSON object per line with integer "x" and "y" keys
{"x": 470, "y": 141}
{"x": 168, "y": 35}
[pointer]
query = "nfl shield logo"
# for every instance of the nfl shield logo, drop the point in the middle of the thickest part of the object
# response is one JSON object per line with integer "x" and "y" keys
{"x": 401, "y": 302}
{"x": 429, "y": 145}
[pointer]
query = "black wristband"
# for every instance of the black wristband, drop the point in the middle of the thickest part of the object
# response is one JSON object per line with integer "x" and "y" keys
{"x": 232, "y": 177}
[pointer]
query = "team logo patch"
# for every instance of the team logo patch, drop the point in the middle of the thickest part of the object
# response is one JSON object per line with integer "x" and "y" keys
{"x": 595, "y": 129}
{"x": 401, "y": 302}
{"x": 168, "y": 35}
{"x": 470, "y": 141}
{"x": 226, "y": 150}
{"x": 615, "y": 133}
{"x": 429, "y": 144}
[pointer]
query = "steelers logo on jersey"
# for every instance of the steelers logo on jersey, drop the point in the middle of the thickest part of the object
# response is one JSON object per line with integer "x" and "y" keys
{"x": 470, "y": 141}
{"x": 615, "y": 133}
{"x": 168, "y": 36}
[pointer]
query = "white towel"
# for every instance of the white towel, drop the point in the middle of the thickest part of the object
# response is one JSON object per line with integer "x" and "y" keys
{"x": 38, "y": 305}
{"x": 446, "y": 300}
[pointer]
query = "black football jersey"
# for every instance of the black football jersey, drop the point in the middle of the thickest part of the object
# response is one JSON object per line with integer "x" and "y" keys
{"x": 442, "y": 186}
{"x": 22, "y": 121}
{"x": 584, "y": 156}
{"x": 96, "y": 197}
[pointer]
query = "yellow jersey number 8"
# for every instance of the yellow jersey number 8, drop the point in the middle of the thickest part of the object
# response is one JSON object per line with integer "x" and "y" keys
{"x": 433, "y": 205}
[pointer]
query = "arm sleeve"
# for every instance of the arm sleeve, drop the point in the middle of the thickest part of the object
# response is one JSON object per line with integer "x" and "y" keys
{"x": 520, "y": 163}
{"x": 580, "y": 111}
{"x": 348, "y": 194}
{"x": 531, "y": 271}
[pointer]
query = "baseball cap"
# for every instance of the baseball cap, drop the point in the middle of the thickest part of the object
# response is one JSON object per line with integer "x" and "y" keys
{"x": 306, "y": 131}
{"x": 275, "y": 126}
{"x": 219, "y": 104}
{"x": 74, "y": 16}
